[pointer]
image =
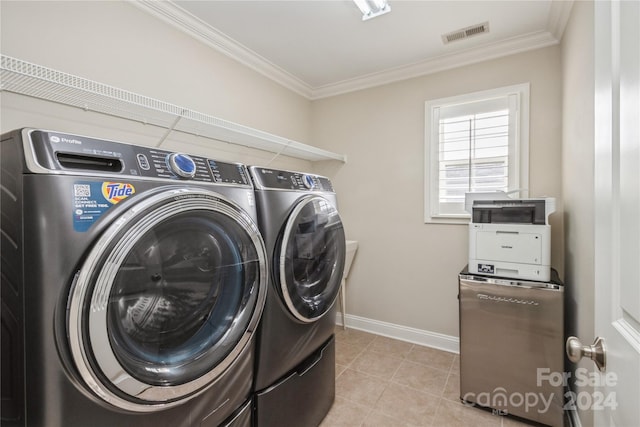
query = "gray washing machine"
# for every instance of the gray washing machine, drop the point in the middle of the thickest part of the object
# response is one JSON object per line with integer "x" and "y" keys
{"x": 305, "y": 239}
{"x": 133, "y": 280}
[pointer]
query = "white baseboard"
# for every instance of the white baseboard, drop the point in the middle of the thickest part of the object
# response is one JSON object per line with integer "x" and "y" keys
{"x": 403, "y": 333}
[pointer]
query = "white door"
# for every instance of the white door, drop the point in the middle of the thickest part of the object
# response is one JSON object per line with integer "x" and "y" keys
{"x": 617, "y": 216}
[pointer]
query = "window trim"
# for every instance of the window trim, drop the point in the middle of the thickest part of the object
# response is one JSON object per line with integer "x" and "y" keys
{"x": 431, "y": 146}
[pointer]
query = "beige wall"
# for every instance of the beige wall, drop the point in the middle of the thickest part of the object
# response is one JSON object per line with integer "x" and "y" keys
{"x": 115, "y": 43}
{"x": 578, "y": 173}
{"x": 405, "y": 272}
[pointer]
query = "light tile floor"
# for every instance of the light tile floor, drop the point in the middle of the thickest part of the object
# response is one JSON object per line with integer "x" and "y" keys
{"x": 387, "y": 383}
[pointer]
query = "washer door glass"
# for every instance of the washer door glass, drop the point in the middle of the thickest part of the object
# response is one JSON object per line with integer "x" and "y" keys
{"x": 311, "y": 259}
{"x": 167, "y": 298}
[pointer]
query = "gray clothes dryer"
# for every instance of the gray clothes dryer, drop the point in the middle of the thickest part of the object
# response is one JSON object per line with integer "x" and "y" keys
{"x": 133, "y": 280}
{"x": 305, "y": 239}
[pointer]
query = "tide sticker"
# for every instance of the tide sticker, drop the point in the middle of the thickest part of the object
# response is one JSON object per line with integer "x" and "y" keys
{"x": 116, "y": 192}
{"x": 92, "y": 199}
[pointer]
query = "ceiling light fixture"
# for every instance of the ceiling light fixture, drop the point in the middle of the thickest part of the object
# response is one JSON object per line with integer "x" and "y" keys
{"x": 372, "y": 8}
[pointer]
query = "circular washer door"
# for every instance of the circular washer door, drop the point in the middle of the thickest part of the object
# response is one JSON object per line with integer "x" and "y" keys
{"x": 311, "y": 258}
{"x": 167, "y": 299}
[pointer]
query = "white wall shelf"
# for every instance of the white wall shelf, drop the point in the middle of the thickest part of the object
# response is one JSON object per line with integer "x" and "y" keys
{"x": 37, "y": 81}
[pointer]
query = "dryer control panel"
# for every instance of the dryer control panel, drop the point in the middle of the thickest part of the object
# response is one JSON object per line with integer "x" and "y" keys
{"x": 73, "y": 154}
{"x": 286, "y": 180}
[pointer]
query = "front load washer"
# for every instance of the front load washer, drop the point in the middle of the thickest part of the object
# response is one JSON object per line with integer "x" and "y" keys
{"x": 305, "y": 239}
{"x": 133, "y": 280}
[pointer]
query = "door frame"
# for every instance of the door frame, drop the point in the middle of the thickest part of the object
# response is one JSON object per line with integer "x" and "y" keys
{"x": 622, "y": 337}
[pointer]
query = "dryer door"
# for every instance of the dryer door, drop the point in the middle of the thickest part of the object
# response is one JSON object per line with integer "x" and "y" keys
{"x": 166, "y": 299}
{"x": 311, "y": 258}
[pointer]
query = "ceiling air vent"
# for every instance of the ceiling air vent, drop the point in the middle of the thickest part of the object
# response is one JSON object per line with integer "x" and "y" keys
{"x": 465, "y": 33}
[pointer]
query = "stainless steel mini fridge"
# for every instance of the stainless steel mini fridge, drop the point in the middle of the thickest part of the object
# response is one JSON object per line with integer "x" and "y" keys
{"x": 512, "y": 346}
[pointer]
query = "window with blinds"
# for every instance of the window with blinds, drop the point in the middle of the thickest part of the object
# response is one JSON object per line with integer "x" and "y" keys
{"x": 473, "y": 143}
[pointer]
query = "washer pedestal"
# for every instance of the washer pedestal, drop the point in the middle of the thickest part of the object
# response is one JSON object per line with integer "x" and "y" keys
{"x": 286, "y": 402}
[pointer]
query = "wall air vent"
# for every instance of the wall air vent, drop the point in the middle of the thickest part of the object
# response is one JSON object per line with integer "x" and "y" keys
{"x": 465, "y": 33}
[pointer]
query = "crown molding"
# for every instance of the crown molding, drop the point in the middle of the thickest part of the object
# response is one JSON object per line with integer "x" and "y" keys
{"x": 445, "y": 62}
{"x": 196, "y": 28}
{"x": 167, "y": 11}
{"x": 559, "y": 15}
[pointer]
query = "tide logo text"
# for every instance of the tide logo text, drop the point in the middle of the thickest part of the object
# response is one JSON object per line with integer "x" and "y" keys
{"x": 116, "y": 192}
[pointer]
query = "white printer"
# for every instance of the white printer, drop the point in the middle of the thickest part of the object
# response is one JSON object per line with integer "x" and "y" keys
{"x": 510, "y": 237}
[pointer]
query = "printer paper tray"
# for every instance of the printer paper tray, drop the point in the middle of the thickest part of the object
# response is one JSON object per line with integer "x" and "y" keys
{"x": 510, "y": 269}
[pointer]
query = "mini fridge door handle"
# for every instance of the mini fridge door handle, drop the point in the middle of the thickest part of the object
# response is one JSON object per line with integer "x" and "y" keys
{"x": 596, "y": 352}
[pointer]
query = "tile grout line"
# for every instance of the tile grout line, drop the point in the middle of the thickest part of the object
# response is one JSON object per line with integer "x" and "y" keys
{"x": 388, "y": 382}
{"x": 440, "y": 406}
{"x": 435, "y": 414}
{"x": 386, "y": 386}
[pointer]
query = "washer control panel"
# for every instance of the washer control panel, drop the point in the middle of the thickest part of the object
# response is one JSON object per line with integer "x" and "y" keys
{"x": 79, "y": 154}
{"x": 287, "y": 180}
{"x": 309, "y": 181}
{"x": 182, "y": 165}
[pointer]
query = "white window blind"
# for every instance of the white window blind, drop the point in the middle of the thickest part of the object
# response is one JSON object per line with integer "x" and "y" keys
{"x": 473, "y": 143}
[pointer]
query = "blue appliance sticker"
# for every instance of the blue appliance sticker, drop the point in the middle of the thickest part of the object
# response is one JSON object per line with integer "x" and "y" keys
{"x": 92, "y": 199}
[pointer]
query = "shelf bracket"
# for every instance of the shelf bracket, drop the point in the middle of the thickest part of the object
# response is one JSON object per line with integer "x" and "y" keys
{"x": 284, "y": 147}
{"x": 171, "y": 128}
